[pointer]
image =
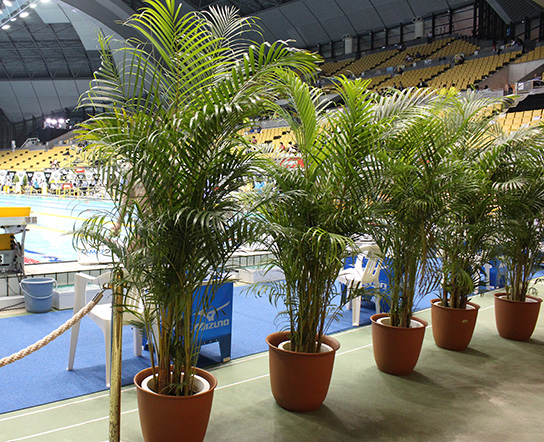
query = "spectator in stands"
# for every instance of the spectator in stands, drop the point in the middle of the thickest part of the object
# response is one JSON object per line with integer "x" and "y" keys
{"x": 508, "y": 89}
{"x": 422, "y": 83}
{"x": 429, "y": 37}
{"x": 409, "y": 58}
{"x": 452, "y": 91}
{"x": 418, "y": 56}
{"x": 458, "y": 59}
{"x": 84, "y": 186}
{"x": 253, "y": 140}
{"x": 401, "y": 86}
{"x": 444, "y": 90}
{"x": 282, "y": 147}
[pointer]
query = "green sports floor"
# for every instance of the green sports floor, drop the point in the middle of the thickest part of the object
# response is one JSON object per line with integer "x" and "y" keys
{"x": 493, "y": 391}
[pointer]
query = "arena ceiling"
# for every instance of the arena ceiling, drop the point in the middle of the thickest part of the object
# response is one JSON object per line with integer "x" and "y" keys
{"x": 47, "y": 57}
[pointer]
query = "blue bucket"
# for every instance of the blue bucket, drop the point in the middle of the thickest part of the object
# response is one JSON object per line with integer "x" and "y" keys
{"x": 38, "y": 294}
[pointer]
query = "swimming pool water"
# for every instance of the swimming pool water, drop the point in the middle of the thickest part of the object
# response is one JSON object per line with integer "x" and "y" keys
{"x": 50, "y": 239}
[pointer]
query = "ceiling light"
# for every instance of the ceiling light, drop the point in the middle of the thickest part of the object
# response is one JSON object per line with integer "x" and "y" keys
{"x": 24, "y": 14}
{"x": 33, "y": 5}
{"x": 8, "y": 3}
{"x": 5, "y": 27}
{"x": 13, "y": 19}
{"x": 45, "y": 1}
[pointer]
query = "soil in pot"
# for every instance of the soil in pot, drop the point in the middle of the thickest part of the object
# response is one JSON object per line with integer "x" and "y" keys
{"x": 396, "y": 349}
{"x": 516, "y": 320}
{"x": 453, "y": 327}
{"x": 300, "y": 381}
{"x": 174, "y": 418}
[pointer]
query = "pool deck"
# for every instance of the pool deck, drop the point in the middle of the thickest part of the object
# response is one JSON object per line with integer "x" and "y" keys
{"x": 491, "y": 392}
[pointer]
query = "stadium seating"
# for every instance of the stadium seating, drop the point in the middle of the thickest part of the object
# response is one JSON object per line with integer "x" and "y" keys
{"x": 536, "y": 54}
{"x": 411, "y": 78}
{"x": 472, "y": 71}
{"x": 512, "y": 121}
{"x": 24, "y": 159}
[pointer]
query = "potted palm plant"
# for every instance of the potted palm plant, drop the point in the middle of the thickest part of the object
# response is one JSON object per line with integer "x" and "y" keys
{"x": 172, "y": 161}
{"x": 466, "y": 234}
{"x": 411, "y": 183}
{"x": 519, "y": 184}
{"x": 307, "y": 218}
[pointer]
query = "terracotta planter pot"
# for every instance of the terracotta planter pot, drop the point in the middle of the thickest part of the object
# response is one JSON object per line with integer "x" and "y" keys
{"x": 516, "y": 320}
{"x": 174, "y": 418}
{"x": 396, "y": 349}
{"x": 299, "y": 381}
{"x": 453, "y": 327}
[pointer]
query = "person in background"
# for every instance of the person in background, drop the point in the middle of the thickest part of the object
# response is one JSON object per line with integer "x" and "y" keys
{"x": 422, "y": 83}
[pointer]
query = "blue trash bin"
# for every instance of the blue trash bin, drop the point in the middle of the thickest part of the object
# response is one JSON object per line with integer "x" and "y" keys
{"x": 38, "y": 294}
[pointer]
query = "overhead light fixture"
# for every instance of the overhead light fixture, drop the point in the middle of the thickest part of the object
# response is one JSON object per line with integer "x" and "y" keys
{"x": 5, "y": 27}
{"x": 45, "y": 1}
{"x": 17, "y": 9}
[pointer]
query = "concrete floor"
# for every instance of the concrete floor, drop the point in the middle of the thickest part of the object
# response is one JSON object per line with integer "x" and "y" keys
{"x": 493, "y": 391}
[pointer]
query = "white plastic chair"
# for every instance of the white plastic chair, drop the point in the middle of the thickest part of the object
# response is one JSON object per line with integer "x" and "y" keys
{"x": 102, "y": 315}
{"x": 359, "y": 276}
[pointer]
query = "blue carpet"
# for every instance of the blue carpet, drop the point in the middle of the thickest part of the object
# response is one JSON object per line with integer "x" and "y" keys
{"x": 42, "y": 376}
